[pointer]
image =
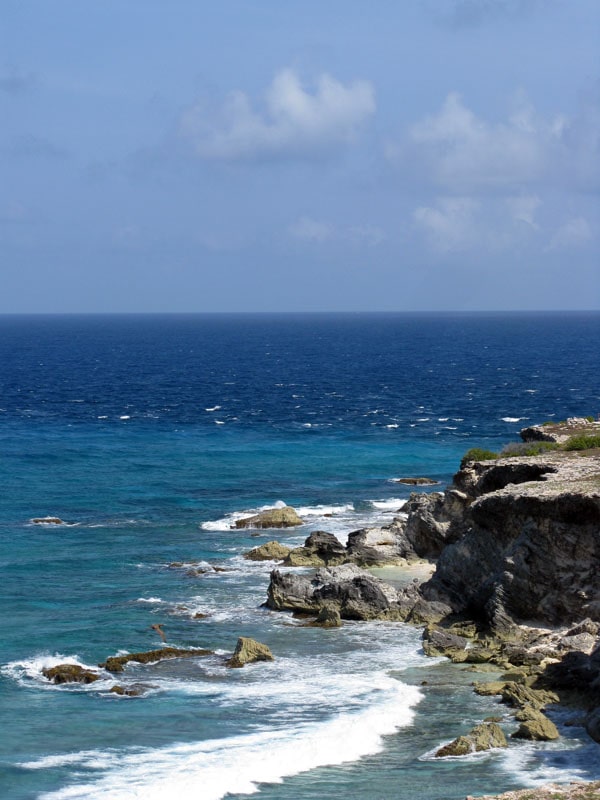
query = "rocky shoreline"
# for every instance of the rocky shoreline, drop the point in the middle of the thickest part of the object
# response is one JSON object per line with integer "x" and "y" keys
{"x": 516, "y": 586}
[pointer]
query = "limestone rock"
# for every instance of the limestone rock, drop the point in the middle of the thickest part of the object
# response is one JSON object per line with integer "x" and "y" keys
{"x": 118, "y": 663}
{"x": 527, "y": 545}
{"x": 285, "y": 517}
{"x": 534, "y": 725}
{"x": 321, "y": 549}
{"x": 270, "y": 551}
{"x": 353, "y": 592}
{"x": 377, "y": 546}
{"x": 481, "y": 737}
{"x": 248, "y": 651}
{"x": 70, "y": 673}
{"x": 328, "y": 618}
{"x": 438, "y": 642}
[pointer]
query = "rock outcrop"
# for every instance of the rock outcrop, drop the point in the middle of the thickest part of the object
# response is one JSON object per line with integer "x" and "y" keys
{"x": 70, "y": 673}
{"x": 270, "y": 551}
{"x": 347, "y": 589}
{"x": 321, "y": 549}
{"x": 553, "y": 791}
{"x": 285, "y": 517}
{"x": 248, "y": 651}
{"x": 527, "y": 545}
{"x": 118, "y": 663}
{"x": 481, "y": 737}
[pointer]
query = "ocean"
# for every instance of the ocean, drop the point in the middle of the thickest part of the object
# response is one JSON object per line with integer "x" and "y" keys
{"x": 149, "y": 436}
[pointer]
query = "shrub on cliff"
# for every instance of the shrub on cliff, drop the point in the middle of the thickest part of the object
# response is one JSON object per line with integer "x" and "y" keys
{"x": 477, "y": 454}
{"x": 582, "y": 442}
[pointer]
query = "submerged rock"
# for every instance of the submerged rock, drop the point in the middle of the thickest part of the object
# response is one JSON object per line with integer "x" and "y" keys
{"x": 70, "y": 673}
{"x": 248, "y": 651}
{"x": 48, "y": 521}
{"x": 270, "y": 551}
{"x": 135, "y": 690}
{"x": 285, "y": 517}
{"x": 416, "y": 481}
{"x": 481, "y": 737}
{"x": 118, "y": 663}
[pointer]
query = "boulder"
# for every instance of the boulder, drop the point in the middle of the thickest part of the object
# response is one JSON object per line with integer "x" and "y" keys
{"x": 285, "y": 517}
{"x": 70, "y": 673}
{"x": 353, "y": 592}
{"x": 135, "y": 690}
{"x": 327, "y": 618}
{"x": 438, "y": 642}
{"x": 534, "y": 725}
{"x": 270, "y": 551}
{"x": 248, "y": 651}
{"x": 321, "y": 549}
{"x": 118, "y": 663}
{"x": 370, "y": 547}
{"x": 481, "y": 737}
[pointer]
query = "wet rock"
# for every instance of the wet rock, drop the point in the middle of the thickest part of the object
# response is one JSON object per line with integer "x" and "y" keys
{"x": 438, "y": 642}
{"x": 248, "y": 651}
{"x": 48, "y": 521}
{"x": 592, "y": 724}
{"x": 270, "y": 551}
{"x": 482, "y": 737}
{"x": 70, "y": 673}
{"x": 285, "y": 517}
{"x": 535, "y": 726}
{"x": 118, "y": 663}
{"x": 416, "y": 481}
{"x": 135, "y": 690}
{"x": 327, "y": 618}
{"x": 321, "y": 549}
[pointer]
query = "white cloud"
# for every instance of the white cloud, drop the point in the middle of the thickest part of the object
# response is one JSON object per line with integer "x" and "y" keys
{"x": 311, "y": 230}
{"x": 575, "y": 232}
{"x": 523, "y": 208}
{"x": 463, "y": 152}
{"x": 293, "y": 123}
{"x": 450, "y": 225}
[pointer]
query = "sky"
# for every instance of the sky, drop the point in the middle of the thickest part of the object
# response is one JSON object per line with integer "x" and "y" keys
{"x": 299, "y": 155}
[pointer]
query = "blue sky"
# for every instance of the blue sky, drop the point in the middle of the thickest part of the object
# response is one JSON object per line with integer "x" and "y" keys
{"x": 288, "y": 155}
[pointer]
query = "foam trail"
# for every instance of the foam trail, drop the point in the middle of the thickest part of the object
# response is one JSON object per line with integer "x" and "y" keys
{"x": 215, "y": 768}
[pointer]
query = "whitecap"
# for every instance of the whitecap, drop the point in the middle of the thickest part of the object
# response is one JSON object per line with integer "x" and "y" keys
{"x": 154, "y": 600}
{"x": 393, "y": 425}
{"x": 512, "y": 419}
{"x": 391, "y": 504}
{"x": 239, "y": 764}
{"x": 219, "y": 422}
{"x": 30, "y": 669}
{"x": 214, "y": 408}
{"x": 125, "y": 416}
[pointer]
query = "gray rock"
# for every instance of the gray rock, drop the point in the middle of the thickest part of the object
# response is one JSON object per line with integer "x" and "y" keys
{"x": 320, "y": 549}
{"x": 378, "y": 546}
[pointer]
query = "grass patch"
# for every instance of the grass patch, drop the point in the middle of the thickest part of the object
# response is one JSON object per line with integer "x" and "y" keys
{"x": 527, "y": 448}
{"x": 582, "y": 442}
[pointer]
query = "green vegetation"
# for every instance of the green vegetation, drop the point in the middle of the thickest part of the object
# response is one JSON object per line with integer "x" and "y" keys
{"x": 527, "y": 448}
{"x": 477, "y": 454}
{"x": 582, "y": 442}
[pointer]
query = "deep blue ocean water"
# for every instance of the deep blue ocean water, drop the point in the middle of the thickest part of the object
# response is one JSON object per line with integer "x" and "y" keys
{"x": 150, "y": 435}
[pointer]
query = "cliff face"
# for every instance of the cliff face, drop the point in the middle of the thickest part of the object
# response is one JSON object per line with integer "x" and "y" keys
{"x": 526, "y": 547}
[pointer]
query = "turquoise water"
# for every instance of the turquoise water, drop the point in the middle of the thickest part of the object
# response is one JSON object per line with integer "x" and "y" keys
{"x": 149, "y": 436}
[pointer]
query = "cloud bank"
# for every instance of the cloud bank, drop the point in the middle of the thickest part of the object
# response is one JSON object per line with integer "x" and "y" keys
{"x": 294, "y": 122}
